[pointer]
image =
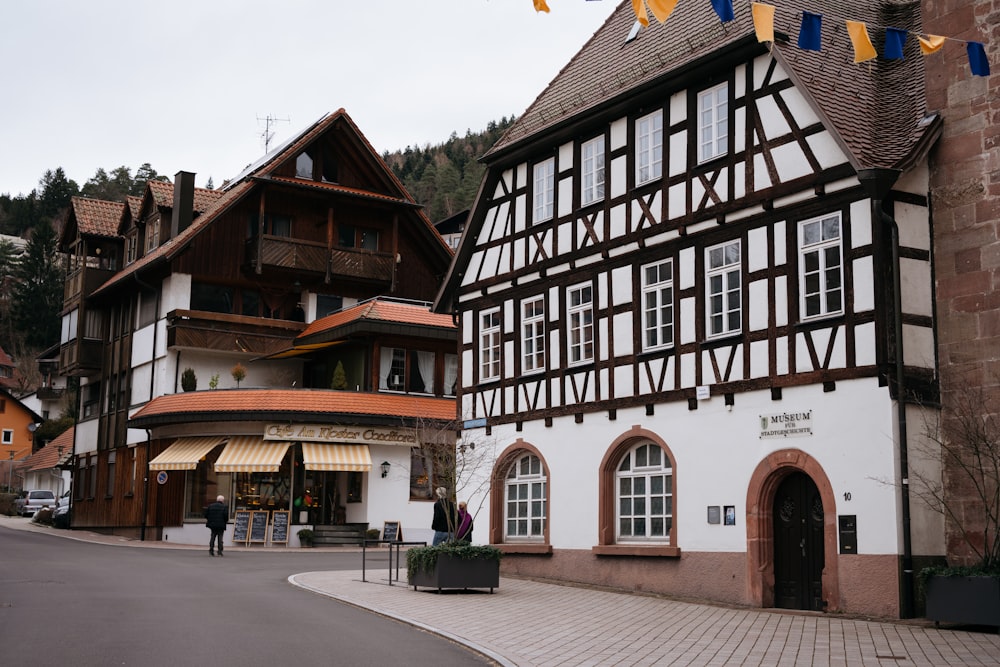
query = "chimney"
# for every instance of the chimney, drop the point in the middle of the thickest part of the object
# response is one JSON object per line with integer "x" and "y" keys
{"x": 183, "y": 213}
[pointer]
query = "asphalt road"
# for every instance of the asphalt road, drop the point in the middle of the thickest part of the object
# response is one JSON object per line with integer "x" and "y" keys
{"x": 64, "y": 602}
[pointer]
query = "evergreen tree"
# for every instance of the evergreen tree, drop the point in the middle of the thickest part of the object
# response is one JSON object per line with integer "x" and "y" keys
{"x": 56, "y": 191}
{"x": 38, "y": 291}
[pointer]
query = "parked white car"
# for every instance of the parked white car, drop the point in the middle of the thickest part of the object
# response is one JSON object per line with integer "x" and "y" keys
{"x": 36, "y": 500}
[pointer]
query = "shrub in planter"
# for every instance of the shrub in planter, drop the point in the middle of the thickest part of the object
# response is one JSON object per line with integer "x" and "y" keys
{"x": 306, "y": 537}
{"x": 967, "y": 590}
{"x": 189, "y": 381}
{"x": 454, "y": 565}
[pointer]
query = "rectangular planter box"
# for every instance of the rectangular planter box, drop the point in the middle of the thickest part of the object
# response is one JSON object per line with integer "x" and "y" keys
{"x": 450, "y": 572}
{"x": 968, "y": 600}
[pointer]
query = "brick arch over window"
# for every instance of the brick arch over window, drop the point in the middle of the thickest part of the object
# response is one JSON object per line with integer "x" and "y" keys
{"x": 760, "y": 525}
{"x": 606, "y": 498}
{"x": 507, "y": 458}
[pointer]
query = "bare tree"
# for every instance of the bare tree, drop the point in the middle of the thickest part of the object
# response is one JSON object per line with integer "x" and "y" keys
{"x": 966, "y": 438}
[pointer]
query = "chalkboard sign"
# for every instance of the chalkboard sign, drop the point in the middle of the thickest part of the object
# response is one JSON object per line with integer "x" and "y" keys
{"x": 279, "y": 526}
{"x": 392, "y": 531}
{"x": 241, "y": 526}
{"x": 258, "y": 526}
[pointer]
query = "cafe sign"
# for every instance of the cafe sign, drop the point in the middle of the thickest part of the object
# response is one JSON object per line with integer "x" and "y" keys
{"x": 786, "y": 425}
{"x": 355, "y": 435}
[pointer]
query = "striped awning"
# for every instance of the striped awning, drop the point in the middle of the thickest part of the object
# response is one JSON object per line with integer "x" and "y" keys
{"x": 353, "y": 458}
{"x": 184, "y": 453}
{"x": 249, "y": 453}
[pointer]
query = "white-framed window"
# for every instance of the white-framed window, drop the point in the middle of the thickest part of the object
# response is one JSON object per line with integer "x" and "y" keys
{"x": 645, "y": 495}
{"x": 592, "y": 171}
{"x": 7, "y": 436}
{"x": 525, "y": 500}
{"x": 649, "y": 148}
{"x": 821, "y": 267}
{"x": 723, "y": 277}
{"x": 489, "y": 344}
{"x": 545, "y": 176}
{"x": 658, "y": 305}
{"x": 580, "y": 318}
{"x": 713, "y": 122}
{"x": 533, "y": 328}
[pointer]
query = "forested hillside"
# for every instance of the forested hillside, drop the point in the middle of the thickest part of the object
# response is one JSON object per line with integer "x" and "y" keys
{"x": 444, "y": 178}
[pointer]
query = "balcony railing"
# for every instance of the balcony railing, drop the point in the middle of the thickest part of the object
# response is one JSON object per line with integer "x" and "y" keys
{"x": 204, "y": 330}
{"x": 298, "y": 255}
{"x": 83, "y": 282}
{"x": 80, "y": 356}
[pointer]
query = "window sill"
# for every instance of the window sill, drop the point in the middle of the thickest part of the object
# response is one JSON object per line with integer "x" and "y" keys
{"x": 636, "y": 550}
{"x": 526, "y": 548}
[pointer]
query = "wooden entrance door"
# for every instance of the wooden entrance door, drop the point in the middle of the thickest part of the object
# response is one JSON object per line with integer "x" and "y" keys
{"x": 798, "y": 544}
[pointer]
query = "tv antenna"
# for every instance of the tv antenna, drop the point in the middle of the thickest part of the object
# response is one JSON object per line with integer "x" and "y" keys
{"x": 267, "y": 135}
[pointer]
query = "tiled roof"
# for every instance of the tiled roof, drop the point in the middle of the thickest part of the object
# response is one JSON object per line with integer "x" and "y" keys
{"x": 334, "y": 187}
{"x": 53, "y": 454}
{"x": 163, "y": 196}
{"x": 172, "y": 246}
{"x": 382, "y": 311}
{"x": 875, "y": 108}
{"x": 134, "y": 204}
{"x": 258, "y": 404}
{"x": 97, "y": 217}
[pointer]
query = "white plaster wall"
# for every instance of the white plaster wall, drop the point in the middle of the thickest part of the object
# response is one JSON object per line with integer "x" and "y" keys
{"x": 86, "y": 436}
{"x": 716, "y": 452}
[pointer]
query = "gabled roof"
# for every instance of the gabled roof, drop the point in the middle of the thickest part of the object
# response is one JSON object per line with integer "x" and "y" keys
{"x": 218, "y": 202}
{"x": 875, "y": 109}
{"x": 52, "y": 455}
{"x": 93, "y": 217}
{"x": 15, "y": 401}
{"x": 290, "y": 404}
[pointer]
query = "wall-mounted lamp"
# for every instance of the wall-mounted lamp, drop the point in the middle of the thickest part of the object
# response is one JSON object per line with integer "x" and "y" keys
{"x": 385, "y": 468}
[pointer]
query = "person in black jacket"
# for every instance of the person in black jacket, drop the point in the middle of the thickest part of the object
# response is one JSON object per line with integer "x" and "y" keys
{"x": 216, "y": 518}
{"x": 444, "y": 521}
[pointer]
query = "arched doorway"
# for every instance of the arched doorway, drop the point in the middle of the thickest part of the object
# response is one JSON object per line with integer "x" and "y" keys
{"x": 799, "y": 555}
{"x": 762, "y": 541}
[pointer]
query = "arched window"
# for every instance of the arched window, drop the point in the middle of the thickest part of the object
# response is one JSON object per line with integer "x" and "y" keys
{"x": 645, "y": 495}
{"x": 525, "y": 498}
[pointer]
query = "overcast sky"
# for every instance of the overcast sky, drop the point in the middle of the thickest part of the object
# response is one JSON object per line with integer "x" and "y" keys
{"x": 187, "y": 84}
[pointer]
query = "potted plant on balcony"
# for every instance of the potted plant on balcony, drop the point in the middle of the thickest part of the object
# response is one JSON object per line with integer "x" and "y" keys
{"x": 967, "y": 588}
{"x": 189, "y": 381}
{"x": 239, "y": 373}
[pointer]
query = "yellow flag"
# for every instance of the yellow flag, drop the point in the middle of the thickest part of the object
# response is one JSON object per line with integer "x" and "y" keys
{"x": 763, "y": 21}
{"x": 639, "y": 7}
{"x": 930, "y": 44}
{"x": 661, "y": 8}
{"x": 540, "y": 6}
{"x": 863, "y": 49}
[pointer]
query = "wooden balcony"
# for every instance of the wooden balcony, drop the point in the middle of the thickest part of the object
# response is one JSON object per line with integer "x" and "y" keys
{"x": 197, "y": 329}
{"x": 81, "y": 356}
{"x": 279, "y": 252}
{"x": 82, "y": 282}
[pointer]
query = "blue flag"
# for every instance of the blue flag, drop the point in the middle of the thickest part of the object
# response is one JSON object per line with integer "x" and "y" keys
{"x": 977, "y": 59}
{"x": 724, "y": 8}
{"x": 894, "y": 40}
{"x": 809, "y": 33}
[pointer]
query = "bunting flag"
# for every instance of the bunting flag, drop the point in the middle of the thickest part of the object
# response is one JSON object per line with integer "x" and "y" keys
{"x": 930, "y": 44}
{"x": 894, "y": 41}
{"x": 809, "y": 33}
{"x": 977, "y": 59}
{"x": 724, "y": 8}
{"x": 763, "y": 21}
{"x": 863, "y": 49}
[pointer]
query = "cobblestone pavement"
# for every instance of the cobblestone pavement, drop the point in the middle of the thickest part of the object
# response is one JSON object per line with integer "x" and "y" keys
{"x": 529, "y": 623}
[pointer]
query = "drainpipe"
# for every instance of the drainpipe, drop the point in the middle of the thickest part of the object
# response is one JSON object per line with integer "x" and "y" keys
{"x": 877, "y": 183}
{"x": 145, "y": 488}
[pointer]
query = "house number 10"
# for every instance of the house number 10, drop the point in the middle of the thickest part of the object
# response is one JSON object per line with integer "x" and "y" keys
{"x": 847, "y": 495}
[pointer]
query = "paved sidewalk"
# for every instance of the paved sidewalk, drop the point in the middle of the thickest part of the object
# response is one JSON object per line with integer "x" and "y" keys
{"x": 528, "y": 623}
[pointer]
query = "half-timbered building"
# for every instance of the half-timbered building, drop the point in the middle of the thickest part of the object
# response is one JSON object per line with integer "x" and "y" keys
{"x": 267, "y": 341}
{"x": 694, "y": 286}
